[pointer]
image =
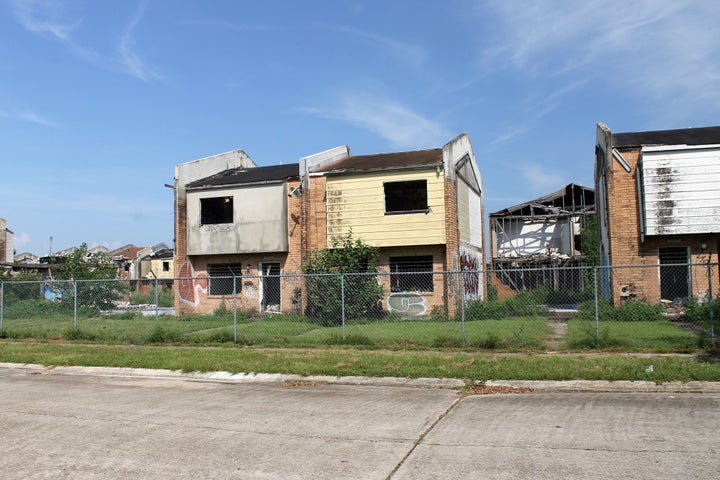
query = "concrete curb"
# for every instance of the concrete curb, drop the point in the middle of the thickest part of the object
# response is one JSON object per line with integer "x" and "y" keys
{"x": 538, "y": 386}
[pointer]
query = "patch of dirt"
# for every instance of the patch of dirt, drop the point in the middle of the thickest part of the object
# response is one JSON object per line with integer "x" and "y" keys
{"x": 301, "y": 383}
{"x": 559, "y": 329}
{"x": 495, "y": 389}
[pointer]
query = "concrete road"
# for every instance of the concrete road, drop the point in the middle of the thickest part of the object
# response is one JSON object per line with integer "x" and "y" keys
{"x": 66, "y": 426}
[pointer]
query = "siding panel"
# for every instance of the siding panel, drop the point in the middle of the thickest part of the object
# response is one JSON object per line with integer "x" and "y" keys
{"x": 357, "y": 202}
{"x": 682, "y": 190}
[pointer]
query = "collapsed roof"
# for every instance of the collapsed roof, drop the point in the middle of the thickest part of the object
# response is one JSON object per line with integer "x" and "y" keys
{"x": 572, "y": 199}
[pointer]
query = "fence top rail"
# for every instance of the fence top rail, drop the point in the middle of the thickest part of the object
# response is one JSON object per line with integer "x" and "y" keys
{"x": 347, "y": 274}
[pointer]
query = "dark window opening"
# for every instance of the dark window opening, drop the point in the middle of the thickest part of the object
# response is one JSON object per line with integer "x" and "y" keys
{"x": 166, "y": 266}
{"x": 216, "y": 210}
{"x": 409, "y": 196}
{"x": 411, "y": 274}
{"x": 222, "y": 276}
{"x": 674, "y": 273}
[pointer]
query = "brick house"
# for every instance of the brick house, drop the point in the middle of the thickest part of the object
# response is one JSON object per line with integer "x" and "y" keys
{"x": 241, "y": 229}
{"x": 658, "y": 205}
{"x": 236, "y": 231}
{"x": 423, "y": 209}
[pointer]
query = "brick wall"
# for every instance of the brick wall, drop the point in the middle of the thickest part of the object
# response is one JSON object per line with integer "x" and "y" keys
{"x": 627, "y": 249}
{"x": 452, "y": 242}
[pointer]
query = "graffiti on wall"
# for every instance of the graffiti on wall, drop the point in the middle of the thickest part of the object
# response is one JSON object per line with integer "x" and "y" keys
{"x": 406, "y": 303}
{"x": 470, "y": 266}
{"x": 191, "y": 287}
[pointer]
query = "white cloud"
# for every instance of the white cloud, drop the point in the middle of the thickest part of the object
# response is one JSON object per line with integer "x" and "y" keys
{"x": 404, "y": 52}
{"x": 539, "y": 179}
{"x": 129, "y": 56}
{"x": 54, "y": 20}
{"x": 22, "y": 239}
{"x": 660, "y": 50}
{"x": 36, "y": 118}
{"x": 28, "y": 116}
{"x": 398, "y": 124}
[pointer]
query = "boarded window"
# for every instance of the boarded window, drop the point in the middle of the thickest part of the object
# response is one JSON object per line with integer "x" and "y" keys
{"x": 216, "y": 210}
{"x": 222, "y": 277}
{"x": 404, "y": 197}
{"x": 411, "y": 274}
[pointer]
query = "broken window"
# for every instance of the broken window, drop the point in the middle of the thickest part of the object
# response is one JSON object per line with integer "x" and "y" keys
{"x": 222, "y": 277}
{"x": 166, "y": 266}
{"x": 407, "y": 196}
{"x": 216, "y": 210}
{"x": 411, "y": 274}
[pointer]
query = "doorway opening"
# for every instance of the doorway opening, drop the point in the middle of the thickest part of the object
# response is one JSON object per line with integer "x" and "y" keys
{"x": 270, "y": 287}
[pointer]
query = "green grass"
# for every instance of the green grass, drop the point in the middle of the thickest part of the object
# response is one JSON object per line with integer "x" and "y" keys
{"x": 284, "y": 331}
{"x": 339, "y": 361}
{"x": 659, "y": 336}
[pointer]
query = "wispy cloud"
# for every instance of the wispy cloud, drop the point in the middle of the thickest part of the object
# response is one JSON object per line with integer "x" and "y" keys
{"x": 538, "y": 178}
{"x": 28, "y": 116}
{"x": 657, "y": 49}
{"x": 400, "y": 125}
{"x": 227, "y": 25}
{"x": 21, "y": 239}
{"x": 55, "y": 21}
{"x": 128, "y": 52}
{"x": 404, "y": 52}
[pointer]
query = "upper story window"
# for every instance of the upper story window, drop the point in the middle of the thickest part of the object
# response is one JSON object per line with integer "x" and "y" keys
{"x": 216, "y": 210}
{"x": 406, "y": 197}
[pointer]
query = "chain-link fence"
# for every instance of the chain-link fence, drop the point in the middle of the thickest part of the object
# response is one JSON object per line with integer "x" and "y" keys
{"x": 665, "y": 308}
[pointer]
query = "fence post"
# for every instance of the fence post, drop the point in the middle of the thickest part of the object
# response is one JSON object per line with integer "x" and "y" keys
{"x": 75, "y": 303}
{"x": 597, "y": 316}
{"x": 234, "y": 306}
{"x": 342, "y": 302}
{"x": 157, "y": 301}
{"x": 710, "y": 304}
{"x": 2, "y": 302}
{"x": 462, "y": 307}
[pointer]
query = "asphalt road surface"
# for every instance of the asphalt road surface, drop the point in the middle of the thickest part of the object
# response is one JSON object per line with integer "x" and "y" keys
{"x": 63, "y": 426}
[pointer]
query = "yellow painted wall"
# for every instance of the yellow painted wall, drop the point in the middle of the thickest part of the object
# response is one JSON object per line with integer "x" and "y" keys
{"x": 357, "y": 201}
{"x": 156, "y": 265}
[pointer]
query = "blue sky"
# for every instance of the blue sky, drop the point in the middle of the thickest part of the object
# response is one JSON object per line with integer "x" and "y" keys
{"x": 100, "y": 99}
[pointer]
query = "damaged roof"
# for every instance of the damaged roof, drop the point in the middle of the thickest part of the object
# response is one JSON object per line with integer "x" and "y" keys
{"x": 244, "y": 176}
{"x": 570, "y": 199}
{"x": 683, "y": 136}
{"x": 384, "y": 161}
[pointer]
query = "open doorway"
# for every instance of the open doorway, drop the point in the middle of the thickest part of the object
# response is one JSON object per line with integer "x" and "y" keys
{"x": 270, "y": 287}
{"x": 674, "y": 273}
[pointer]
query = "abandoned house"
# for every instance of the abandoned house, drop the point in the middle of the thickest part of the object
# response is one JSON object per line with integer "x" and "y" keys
{"x": 658, "y": 203}
{"x": 423, "y": 209}
{"x": 240, "y": 228}
{"x": 235, "y": 232}
{"x": 531, "y": 241}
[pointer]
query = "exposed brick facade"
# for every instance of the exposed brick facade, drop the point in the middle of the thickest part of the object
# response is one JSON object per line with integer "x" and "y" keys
{"x": 307, "y": 227}
{"x": 620, "y": 218}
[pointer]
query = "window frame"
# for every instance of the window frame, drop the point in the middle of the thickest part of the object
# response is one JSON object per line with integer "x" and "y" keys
{"x": 410, "y": 270}
{"x": 394, "y": 197}
{"x": 220, "y": 276}
{"x": 215, "y": 215}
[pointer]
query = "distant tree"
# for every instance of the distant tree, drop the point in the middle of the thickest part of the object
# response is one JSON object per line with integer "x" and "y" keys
{"x": 363, "y": 293}
{"x": 97, "y": 285}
